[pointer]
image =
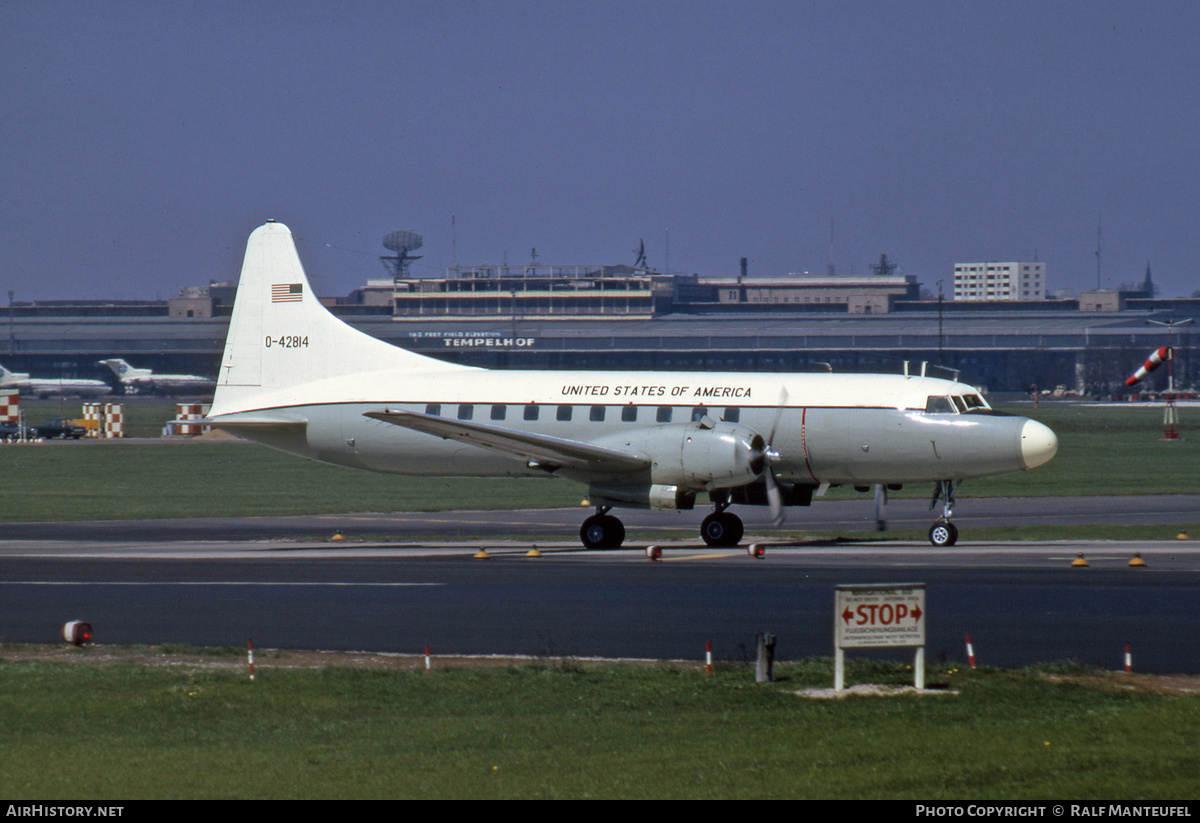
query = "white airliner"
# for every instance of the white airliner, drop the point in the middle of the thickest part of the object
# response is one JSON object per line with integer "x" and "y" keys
{"x": 296, "y": 378}
{"x": 145, "y": 380}
{"x": 46, "y": 386}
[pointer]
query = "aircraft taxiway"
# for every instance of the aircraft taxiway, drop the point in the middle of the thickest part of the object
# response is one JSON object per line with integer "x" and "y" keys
{"x": 1021, "y": 602}
{"x": 1161, "y": 514}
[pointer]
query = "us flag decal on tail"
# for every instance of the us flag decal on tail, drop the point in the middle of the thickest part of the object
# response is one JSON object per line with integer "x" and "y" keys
{"x": 286, "y": 292}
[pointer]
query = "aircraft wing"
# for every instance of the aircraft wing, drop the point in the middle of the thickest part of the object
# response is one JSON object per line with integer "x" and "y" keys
{"x": 550, "y": 453}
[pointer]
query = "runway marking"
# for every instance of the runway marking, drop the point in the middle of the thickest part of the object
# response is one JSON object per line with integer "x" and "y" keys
{"x": 710, "y": 556}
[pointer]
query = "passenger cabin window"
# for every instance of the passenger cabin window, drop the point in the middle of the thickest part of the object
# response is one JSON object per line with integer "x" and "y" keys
{"x": 564, "y": 413}
{"x": 596, "y": 414}
{"x": 434, "y": 408}
{"x": 531, "y": 411}
{"x": 699, "y": 414}
{"x": 499, "y": 411}
{"x": 732, "y": 415}
{"x": 939, "y": 404}
{"x": 629, "y": 414}
{"x": 664, "y": 414}
{"x": 466, "y": 411}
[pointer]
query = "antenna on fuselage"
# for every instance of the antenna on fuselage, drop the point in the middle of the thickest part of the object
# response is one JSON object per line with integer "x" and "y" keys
{"x": 954, "y": 372}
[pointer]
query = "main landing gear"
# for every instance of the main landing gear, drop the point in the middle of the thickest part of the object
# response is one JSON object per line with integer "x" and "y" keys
{"x": 602, "y": 530}
{"x": 721, "y": 529}
{"x": 943, "y": 533}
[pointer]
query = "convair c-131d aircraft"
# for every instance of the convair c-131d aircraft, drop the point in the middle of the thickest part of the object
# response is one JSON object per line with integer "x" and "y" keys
{"x": 296, "y": 378}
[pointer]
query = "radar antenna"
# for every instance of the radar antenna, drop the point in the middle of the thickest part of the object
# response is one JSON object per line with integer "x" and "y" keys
{"x": 884, "y": 267}
{"x": 400, "y": 242}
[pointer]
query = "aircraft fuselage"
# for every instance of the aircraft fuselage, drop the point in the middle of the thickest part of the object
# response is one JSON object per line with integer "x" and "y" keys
{"x": 893, "y": 441}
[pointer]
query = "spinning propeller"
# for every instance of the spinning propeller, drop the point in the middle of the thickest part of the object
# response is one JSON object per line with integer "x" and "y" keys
{"x": 769, "y": 456}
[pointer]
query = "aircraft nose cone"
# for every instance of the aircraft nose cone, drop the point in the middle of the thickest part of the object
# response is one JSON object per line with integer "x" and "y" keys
{"x": 1038, "y": 444}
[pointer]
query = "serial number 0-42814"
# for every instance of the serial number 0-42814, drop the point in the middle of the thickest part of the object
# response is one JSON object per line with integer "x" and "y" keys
{"x": 288, "y": 341}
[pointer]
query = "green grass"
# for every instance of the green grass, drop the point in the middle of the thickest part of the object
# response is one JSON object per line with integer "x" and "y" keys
{"x": 79, "y": 481}
{"x": 569, "y": 730}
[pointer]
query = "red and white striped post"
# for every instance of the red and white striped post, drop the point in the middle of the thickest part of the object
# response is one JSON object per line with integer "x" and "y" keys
{"x": 970, "y": 651}
{"x": 1128, "y": 660}
{"x": 426, "y": 658}
{"x": 708, "y": 657}
{"x": 250, "y": 656}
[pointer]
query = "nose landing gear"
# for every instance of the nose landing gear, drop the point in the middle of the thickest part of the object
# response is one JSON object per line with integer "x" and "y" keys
{"x": 943, "y": 533}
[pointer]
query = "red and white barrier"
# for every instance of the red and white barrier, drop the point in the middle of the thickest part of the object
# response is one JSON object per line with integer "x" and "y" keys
{"x": 114, "y": 420}
{"x": 10, "y": 406}
{"x": 1160, "y": 356}
{"x": 104, "y": 420}
{"x": 185, "y": 413}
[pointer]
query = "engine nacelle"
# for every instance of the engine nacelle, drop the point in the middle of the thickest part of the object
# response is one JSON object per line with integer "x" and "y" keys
{"x": 635, "y": 496}
{"x": 703, "y": 455}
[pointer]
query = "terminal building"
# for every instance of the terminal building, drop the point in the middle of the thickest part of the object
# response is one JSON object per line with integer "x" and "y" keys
{"x": 982, "y": 282}
{"x": 550, "y": 292}
{"x": 1001, "y": 352}
{"x": 1004, "y": 338}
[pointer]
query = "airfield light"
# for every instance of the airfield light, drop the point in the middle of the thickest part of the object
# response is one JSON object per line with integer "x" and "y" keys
{"x": 76, "y": 632}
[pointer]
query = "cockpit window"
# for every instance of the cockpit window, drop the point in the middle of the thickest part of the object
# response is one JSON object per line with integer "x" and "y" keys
{"x": 974, "y": 401}
{"x": 958, "y": 401}
{"x": 939, "y": 404}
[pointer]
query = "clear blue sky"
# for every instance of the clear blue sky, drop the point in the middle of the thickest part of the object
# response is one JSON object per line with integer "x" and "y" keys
{"x": 143, "y": 141}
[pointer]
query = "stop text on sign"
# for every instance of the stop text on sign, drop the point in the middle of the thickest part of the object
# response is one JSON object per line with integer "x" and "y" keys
{"x": 879, "y": 615}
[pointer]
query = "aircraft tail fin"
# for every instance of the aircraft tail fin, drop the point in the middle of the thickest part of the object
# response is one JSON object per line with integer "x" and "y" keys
{"x": 122, "y": 369}
{"x": 11, "y": 379}
{"x": 281, "y": 337}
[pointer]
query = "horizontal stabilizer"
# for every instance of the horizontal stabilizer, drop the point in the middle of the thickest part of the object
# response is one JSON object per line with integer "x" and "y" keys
{"x": 256, "y": 419}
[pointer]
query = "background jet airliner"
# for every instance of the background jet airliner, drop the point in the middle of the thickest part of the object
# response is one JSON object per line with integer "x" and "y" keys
{"x": 145, "y": 380}
{"x": 296, "y": 378}
{"x": 47, "y": 386}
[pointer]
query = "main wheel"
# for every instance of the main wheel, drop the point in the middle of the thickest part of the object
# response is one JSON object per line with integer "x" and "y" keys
{"x": 943, "y": 534}
{"x": 602, "y": 531}
{"x": 722, "y": 530}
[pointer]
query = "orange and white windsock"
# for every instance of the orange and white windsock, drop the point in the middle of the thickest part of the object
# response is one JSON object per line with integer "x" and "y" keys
{"x": 1162, "y": 355}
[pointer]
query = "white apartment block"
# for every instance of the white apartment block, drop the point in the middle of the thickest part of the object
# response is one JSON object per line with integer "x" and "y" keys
{"x": 1000, "y": 281}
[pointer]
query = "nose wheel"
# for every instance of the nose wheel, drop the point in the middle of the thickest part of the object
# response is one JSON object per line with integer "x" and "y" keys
{"x": 944, "y": 533}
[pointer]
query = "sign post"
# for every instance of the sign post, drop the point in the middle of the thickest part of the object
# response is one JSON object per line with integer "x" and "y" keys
{"x": 879, "y": 615}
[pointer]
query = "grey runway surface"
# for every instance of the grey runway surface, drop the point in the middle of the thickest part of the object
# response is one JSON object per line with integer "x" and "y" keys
{"x": 231, "y": 581}
{"x": 563, "y": 524}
